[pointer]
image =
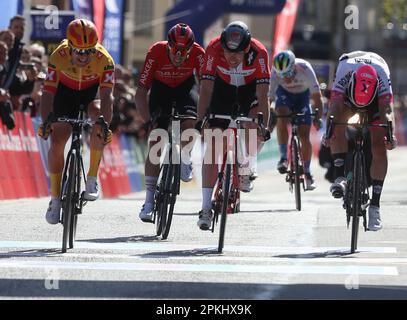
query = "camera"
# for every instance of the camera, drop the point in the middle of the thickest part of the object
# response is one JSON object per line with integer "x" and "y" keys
{"x": 26, "y": 66}
{"x": 6, "y": 115}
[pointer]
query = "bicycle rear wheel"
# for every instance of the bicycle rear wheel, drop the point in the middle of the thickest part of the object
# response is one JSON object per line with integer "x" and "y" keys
{"x": 174, "y": 181}
{"x": 356, "y": 201}
{"x": 225, "y": 201}
{"x": 297, "y": 175}
{"x": 68, "y": 201}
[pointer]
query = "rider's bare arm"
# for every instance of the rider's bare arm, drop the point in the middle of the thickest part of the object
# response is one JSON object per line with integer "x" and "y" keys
{"x": 47, "y": 101}
{"x": 106, "y": 103}
{"x": 205, "y": 95}
{"x": 317, "y": 103}
{"x": 142, "y": 103}
{"x": 262, "y": 98}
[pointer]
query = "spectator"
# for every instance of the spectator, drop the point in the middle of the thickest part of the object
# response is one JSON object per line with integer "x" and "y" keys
{"x": 6, "y": 112}
{"x": 25, "y": 55}
{"x": 3, "y": 62}
{"x": 17, "y": 26}
{"x": 37, "y": 50}
{"x": 8, "y": 37}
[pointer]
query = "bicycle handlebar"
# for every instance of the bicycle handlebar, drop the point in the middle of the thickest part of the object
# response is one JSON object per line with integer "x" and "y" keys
{"x": 259, "y": 121}
{"x": 331, "y": 124}
{"x": 294, "y": 115}
{"x": 101, "y": 121}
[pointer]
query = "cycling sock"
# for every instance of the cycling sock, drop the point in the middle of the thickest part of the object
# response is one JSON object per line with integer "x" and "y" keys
{"x": 55, "y": 184}
{"x": 207, "y": 199}
{"x": 283, "y": 151}
{"x": 307, "y": 166}
{"x": 95, "y": 157}
{"x": 377, "y": 192}
{"x": 339, "y": 164}
{"x": 151, "y": 183}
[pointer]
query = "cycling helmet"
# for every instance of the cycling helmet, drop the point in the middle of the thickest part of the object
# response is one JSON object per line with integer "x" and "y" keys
{"x": 363, "y": 86}
{"x": 236, "y": 37}
{"x": 284, "y": 64}
{"x": 82, "y": 34}
{"x": 180, "y": 38}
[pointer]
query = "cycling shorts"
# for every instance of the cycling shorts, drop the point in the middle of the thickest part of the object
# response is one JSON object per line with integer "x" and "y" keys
{"x": 163, "y": 98}
{"x": 296, "y": 102}
{"x": 226, "y": 98}
{"x": 67, "y": 100}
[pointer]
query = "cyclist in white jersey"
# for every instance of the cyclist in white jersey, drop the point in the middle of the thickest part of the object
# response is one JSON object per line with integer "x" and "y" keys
{"x": 362, "y": 84}
{"x": 293, "y": 84}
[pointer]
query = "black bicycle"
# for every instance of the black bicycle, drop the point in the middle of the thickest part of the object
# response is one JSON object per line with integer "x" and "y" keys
{"x": 295, "y": 172}
{"x": 356, "y": 198}
{"x": 72, "y": 200}
{"x": 168, "y": 185}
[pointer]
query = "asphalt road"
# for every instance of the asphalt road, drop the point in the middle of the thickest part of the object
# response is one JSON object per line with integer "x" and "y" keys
{"x": 271, "y": 250}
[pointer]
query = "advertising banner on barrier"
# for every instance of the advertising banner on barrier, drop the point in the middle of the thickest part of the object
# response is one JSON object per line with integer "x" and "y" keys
{"x": 113, "y": 173}
{"x": 6, "y": 176}
{"x": 131, "y": 163}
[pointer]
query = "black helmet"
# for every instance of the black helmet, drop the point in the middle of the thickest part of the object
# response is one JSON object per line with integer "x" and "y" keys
{"x": 235, "y": 37}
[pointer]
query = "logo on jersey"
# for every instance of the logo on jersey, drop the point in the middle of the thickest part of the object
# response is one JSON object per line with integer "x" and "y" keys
{"x": 237, "y": 72}
{"x": 51, "y": 75}
{"x": 144, "y": 76}
{"x": 263, "y": 66}
{"x": 90, "y": 77}
{"x": 345, "y": 80}
{"x": 251, "y": 57}
{"x": 108, "y": 77}
{"x": 100, "y": 55}
{"x": 209, "y": 63}
{"x": 62, "y": 53}
{"x": 362, "y": 60}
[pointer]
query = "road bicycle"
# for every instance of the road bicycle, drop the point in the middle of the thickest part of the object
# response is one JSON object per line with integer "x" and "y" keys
{"x": 295, "y": 172}
{"x": 168, "y": 184}
{"x": 356, "y": 198}
{"x": 226, "y": 194}
{"x": 72, "y": 200}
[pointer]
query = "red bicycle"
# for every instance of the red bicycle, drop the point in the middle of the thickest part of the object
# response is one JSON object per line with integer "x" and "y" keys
{"x": 226, "y": 194}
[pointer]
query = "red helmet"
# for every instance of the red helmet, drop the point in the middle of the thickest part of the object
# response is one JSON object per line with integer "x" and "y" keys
{"x": 363, "y": 86}
{"x": 180, "y": 38}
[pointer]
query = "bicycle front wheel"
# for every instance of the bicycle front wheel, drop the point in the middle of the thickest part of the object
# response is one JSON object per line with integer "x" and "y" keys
{"x": 225, "y": 201}
{"x": 357, "y": 200}
{"x": 172, "y": 197}
{"x": 68, "y": 207}
{"x": 297, "y": 175}
{"x": 159, "y": 199}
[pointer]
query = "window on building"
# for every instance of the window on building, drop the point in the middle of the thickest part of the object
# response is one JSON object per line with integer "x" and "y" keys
{"x": 143, "y": 16}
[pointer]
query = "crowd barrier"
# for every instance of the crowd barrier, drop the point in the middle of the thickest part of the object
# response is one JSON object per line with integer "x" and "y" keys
{"x": 24, "y": 158}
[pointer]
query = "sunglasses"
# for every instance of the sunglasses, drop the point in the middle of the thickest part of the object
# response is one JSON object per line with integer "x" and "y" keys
{"x": 83, "y": 52}
{"x": 178, "y": 51}
{"x": 287, "y": 74}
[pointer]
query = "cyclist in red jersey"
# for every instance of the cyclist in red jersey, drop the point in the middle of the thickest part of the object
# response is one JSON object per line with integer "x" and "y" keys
{"x": 169, "y": 78}
{"x": 236, "y": 73}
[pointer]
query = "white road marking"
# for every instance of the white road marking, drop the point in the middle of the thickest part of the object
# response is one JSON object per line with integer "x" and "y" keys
{"x": 227, "y": 268}
{"x": 165, "y": 246}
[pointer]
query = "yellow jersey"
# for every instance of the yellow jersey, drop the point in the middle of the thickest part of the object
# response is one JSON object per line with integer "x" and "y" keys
{"x": 100, "y": 70}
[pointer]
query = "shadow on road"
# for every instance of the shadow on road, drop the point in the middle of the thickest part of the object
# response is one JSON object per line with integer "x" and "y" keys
{"x": 136, "y": 238}
{"x": 31, "y": 253}
{"x": 315, "y": 255}
{"x": 181, "y": 253}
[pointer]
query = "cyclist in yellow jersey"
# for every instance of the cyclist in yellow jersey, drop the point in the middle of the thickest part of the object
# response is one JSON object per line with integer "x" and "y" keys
{"x": 80, "y": 72}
